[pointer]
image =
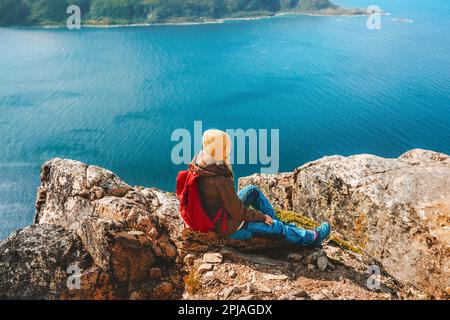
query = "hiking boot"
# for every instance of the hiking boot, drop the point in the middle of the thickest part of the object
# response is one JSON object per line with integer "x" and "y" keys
{"x": 322, "y": 232}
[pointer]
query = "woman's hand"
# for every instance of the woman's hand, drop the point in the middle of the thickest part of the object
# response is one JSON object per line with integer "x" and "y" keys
{"x": 269, "y": 220}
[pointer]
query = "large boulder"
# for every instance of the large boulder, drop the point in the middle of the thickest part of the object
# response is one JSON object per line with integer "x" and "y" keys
{"x": 396, "y": 210}
{"x": 118, "y": 225}
{"x": 42, "y": 261}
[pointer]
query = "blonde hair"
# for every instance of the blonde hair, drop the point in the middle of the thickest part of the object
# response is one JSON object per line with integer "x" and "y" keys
{"x": 216, "y": 148}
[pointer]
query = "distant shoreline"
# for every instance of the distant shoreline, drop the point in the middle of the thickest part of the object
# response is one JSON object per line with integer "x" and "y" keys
{"x": 322, "y": 13}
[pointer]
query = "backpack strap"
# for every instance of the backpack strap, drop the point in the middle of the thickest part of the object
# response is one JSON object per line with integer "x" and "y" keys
{"x": 224, "y": 221}
{"x": 222, "y": 213}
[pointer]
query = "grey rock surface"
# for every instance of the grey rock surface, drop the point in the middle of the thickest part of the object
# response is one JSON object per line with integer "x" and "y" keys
{"x": 397, "y": 210}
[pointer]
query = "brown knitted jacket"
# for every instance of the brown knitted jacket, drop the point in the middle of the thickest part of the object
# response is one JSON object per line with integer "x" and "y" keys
{"x": 216, "y": 187}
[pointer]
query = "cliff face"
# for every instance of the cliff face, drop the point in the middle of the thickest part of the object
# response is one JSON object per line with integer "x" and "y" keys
{"x": 130, "y": 242}
{"x": 34, "y": 262}
{"x": 125, "y": 230}
{"x": 396, "y": 210}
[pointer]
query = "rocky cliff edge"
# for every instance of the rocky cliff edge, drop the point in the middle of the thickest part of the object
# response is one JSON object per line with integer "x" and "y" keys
{"x": 96, "y": 237}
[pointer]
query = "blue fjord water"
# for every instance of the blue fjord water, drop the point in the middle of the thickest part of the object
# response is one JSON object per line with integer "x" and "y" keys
{"x": 112, "y": 97}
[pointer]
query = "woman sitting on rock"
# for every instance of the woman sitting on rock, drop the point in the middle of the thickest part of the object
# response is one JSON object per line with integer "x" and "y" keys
{"x": 209, "y": 202}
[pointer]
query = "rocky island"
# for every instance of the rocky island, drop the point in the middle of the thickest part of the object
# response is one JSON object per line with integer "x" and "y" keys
{"x": 124, "y": 242}
{"x": 130, "y": 12}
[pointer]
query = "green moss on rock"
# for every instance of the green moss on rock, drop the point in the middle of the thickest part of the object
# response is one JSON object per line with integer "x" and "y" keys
{"x": 344, "y": 244}
{"x": 192, "y": 282}
{"x": 308, "y": 223}
{"x": 293, "y": 217}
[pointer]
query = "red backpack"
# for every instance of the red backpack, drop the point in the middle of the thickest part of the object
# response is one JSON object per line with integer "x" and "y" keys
{"x": 191, "y": 208}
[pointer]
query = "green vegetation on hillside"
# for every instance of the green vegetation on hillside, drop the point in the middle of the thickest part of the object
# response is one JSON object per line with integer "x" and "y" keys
{"x": 51, "y": 12}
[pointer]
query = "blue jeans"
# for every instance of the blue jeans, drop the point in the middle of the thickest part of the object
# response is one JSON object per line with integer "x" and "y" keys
{"x": 252, "y": 196}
